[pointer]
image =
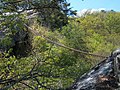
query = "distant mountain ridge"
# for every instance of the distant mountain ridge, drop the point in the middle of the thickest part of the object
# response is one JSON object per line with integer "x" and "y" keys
{"x": 91, "y": 11}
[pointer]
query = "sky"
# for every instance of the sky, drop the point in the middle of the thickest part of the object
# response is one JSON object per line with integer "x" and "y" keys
{"x": 95, "y": 4}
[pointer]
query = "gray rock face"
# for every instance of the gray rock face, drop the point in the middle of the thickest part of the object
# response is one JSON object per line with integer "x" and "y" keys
{"x": 116, "y": 52}
{"x": 100, "y": 77}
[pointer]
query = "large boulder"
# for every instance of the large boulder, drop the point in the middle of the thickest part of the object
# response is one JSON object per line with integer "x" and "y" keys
{"x": 101, "y": 77}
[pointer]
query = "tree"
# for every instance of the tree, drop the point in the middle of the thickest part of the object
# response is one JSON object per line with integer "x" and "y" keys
{"x": 49, "y": 13}
{"x": 41, "y": 56}
{"x": 39, "y": 69}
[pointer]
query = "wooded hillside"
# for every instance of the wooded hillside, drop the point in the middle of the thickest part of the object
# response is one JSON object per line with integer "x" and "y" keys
{"x": 51, "y": 49}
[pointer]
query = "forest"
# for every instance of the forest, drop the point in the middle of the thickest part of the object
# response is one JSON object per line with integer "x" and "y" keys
{"x": 43, "y": 46}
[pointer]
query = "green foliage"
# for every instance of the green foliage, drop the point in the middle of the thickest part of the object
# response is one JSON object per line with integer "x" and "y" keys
{"x": 112, "y": 23}
{"x": 52, "y": 13}
{"x": 50, "y": 65}
{"x": 100, "y": 34}
{"x": 14, "y": 14}
{"x": 6, "y": 42}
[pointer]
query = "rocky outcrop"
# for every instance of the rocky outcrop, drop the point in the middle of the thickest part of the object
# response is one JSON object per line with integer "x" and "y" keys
{"x": 103, "y": 76}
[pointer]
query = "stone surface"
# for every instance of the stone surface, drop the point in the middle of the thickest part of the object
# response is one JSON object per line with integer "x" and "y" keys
{"x": 101, "y": 77}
